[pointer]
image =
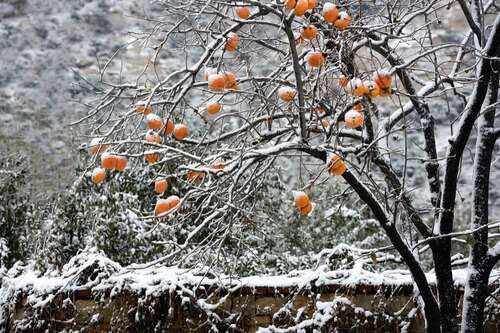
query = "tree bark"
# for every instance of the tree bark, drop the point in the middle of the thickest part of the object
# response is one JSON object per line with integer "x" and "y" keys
{"x": 479, "y": 268}
{"x": 442, "y": 252}
{"x": 431, "y": 309}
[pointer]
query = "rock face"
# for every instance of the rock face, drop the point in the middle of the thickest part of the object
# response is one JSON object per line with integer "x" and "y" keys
{"x": 43, "y": 51}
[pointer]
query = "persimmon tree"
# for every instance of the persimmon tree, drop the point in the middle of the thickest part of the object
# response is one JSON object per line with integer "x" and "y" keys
{"x": 325, "y": 86}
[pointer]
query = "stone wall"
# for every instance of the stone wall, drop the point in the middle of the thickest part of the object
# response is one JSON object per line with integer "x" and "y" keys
{"x": 364, "y": 308}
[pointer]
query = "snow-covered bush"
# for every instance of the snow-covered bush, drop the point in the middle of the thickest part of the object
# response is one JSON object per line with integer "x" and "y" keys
{"x": 110, "y": 218}
{"x": 281, "y": 240}
{"x": 103, "y": 217}
{"x": 18, "y": 227}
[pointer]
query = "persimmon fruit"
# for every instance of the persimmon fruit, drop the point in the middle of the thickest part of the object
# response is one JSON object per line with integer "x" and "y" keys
{"x": 153, "y": 137}
{"x": 213, "y": 107}
{"x": 154, "y": 121}
{"x": 216, "y": 82}
{"x": 232, "y": 42}
{"x": 108, "y": 161}
{"x": 167, "y": 205}
{"x": 336, "y": 165}
{"x": 301, "y": 7}
{"x": 98, "y": 175}
{"x": 315, "y": 59}
{"x": 180, "y": 132}
{"x": 242, "y": 12}
{"x": 309, "y": 32}
{"x": 120, "y": 162}
{"x": 354, "y": 119}
{"x": 287, "y": 94}
{"x": 169, "y": 127}
{"x": 152, "y": 157}
{"x": 161, "y": 185}
{"x": 343, "y": 21}
{"x": 330, "y": 12}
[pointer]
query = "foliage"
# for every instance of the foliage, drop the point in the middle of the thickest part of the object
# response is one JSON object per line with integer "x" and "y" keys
{"x": 17, "y": 223}
{"x": 108, "y": 217}
{"x": 290, "y": 96}
{"x": 281, "y": 240}
{"x": 103, "y": 217}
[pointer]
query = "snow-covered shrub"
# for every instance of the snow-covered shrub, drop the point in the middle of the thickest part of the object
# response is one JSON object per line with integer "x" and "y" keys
{"x": 281, "y": 240}
{"x": 105, "y": 217}
{"x": 18, "y": 227}
{"x": 274, "y": 239}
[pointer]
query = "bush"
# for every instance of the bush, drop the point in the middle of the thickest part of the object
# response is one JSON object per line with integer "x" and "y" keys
{"x": 18, "y": 228}
{"x": 275, "y": 239}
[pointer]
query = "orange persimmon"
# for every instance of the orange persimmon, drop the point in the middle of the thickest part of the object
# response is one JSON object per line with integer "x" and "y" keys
{"x": 120, "y": 162}
{"x": 301, "y": 7}
{"x": 213, "y": 107}
{"x": 287, "y": 94}
{"x": 290, "y": 4}
{"x": 330, "y": 12}
{"x": 161, "y": 185}
{"x": 232, "y": 42}
{"x": 169, "y": 127}
{"x": 230, "y": 81}
{"x": 242, "y": 12}
{"x": 195, "y": 176}
{"x": 373, "y": 88}
{"x": 216, "y": 82}
{"x": 181, "y": 132}
{"x": 312, "y": 4}
{"x": 108, "y": 161}
{"x": 152, "y": 158}
{"x": 98, "y": 175}
{"x": 383, "y": 79}
{"x": 309, "y": 32}
{"x": 354, "y": 119}
{"x": 153, "y": 137}
{"x": 154, "y": 121}
{"x": 303, "y": 203}
{"x": 315, "y": 59}
{"x": 343, "y": 21}
{"x": 356, "y": 87}
{"x": 336, "y": 165}
{"x": 167, "y": 205}
{"x": 300, "y": 199}
{"x": 307, "y": 210}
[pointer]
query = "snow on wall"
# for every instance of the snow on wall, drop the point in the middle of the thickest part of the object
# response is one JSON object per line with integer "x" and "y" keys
{"x": 92, "y": 270}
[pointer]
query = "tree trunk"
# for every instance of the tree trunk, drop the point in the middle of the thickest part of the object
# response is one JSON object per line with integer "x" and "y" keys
{"x": 479, "y": 269}
{"x": 431, "y": 309}
{"x": 445, "y": 287}
{"x": 456, "y": 148}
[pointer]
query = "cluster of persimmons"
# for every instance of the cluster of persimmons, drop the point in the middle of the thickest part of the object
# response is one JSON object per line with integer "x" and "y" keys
{"x": 158, "y": 128}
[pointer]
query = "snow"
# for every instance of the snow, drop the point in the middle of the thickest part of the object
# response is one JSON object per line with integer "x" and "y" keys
{"x": 157, "y": 279}
{"x": 40, "y": 288}
{"x": 325, "y": 312}
{"x": 495, "y": 251}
